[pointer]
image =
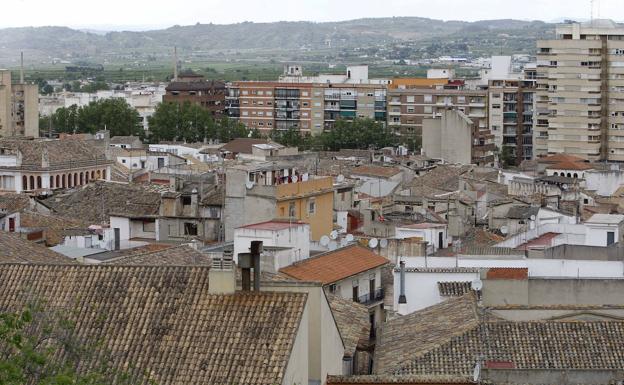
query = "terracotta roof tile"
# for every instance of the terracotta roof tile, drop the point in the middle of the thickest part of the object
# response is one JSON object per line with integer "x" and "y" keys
{"x": 568, "y": 165}
{"x": 352, "y": 321}
{"x": 164, "y": 321}
{"x": 454, "y": 289}
{"x": 60, "y": 152}
{"x": 171, "y": 256}
{"x": 376, "y": 171}
{"x": 335, "y": 265}
{"x": 14, "y": 249}
{"x": 393, "y": 379}
{"x": 242, "y": 145}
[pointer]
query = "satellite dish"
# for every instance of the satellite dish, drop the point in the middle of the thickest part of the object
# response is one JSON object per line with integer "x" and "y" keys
{"x": 333, "y": 234}
{"x": 324, "y": 240}
{"x": 532, "y": 217}
{"x": 305, "y": 177}
{"x": 249, "y": 185}
{"x": 476, "y": 374}
{"x": 295, "y": 179}
{"x": 476, "y": 285}
{"x": 344, "y": 242}
{"x": 333, "y": 246}
{"x": 349, "y": 238}
{"x": 373, "y": 243}
{"x": 565, "y": 186}
{"x": 383, "y": 243}
{"x": 340, "y": 178}
{"x": 504, "y": 230}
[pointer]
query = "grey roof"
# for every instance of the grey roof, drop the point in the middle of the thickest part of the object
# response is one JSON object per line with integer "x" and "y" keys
{"x": 522, "y": 212}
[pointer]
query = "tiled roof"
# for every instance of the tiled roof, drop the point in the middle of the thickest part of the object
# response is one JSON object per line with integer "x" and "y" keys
{"x": 274, "y": 225}
{"x": 392, "y": 379}
{"x": 216, "y": 197}
{"x": 14, "y": 249}
{"x": 568, "y": 165}
{"x": 522, "y": 212}
{"x": 453, "y": 289}
{"x": 443, "y": 177}
{"x": 164, "y": 321}
{"x": 352, "y": 321}
{"x": 449, "y": 338}
{"x": 335, "y": 265}
{"x": 95, "y": 202}
{"x": 11, "y": 202}
{"x": 242, "y": 145}
{"x": 123, "y": 139}
{"x": 53, "y": 225}
{"x": 557, "y": 158}
{"x": 171, "y": 256}
{"x": 440, "y": 270}
{"x": 376, "y": 171}
{"x": 527, "y": 345}
{"x": 402, "y": 339}
{"x": 60, "y": 152}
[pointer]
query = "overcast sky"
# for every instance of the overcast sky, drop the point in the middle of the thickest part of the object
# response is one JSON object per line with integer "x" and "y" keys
{"x": 142, "y": 14}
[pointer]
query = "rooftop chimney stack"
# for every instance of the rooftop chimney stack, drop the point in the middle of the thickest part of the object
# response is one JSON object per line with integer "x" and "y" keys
{"x": 221, "y": 276}
{"x": 402, "y": 299}
{"x": 248, "y": 261}
{"x": 21, "y": 67}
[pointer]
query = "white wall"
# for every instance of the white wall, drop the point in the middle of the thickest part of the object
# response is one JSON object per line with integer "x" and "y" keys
{"x": 297, "y": 367}
{"x": 605, "y": 183}
{"x": 124, "y": 227}
{"x": 344, "y": 288}
{"x": 597, "y": 234}
{"x": 430, "y": 235}
{"x": 296, "y": 237}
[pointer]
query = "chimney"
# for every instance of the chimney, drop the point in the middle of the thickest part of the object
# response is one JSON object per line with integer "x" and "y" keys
{"x": 248, "y": 261}
{"x": 402, "y": 299}
{"x": 175, "y": 63}
{"x": 222, "y": 276}
{"x": 21, "y": 67}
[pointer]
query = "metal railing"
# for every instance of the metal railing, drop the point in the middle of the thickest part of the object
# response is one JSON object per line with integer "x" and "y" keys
{"x": 370, "y": 298}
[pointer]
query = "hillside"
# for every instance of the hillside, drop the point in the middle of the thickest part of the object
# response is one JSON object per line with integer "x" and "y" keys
{"x": 44, "y": 43}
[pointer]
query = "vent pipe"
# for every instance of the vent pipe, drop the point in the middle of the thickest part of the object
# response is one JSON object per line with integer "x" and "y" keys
{"x": 175, "y": 63}
{"x": 117, "y": 241}
{"x": 256, "y": 250}
{"x": 402, "y": 299}
{"x": 248, "y": 261}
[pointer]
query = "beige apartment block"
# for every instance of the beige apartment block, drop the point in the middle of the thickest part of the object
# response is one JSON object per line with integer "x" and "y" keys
{"x": 19, "y": 107}
{"x": 580, "y": 97}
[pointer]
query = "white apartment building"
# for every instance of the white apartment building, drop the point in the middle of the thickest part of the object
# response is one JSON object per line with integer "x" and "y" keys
{"x": 580, "y": 105}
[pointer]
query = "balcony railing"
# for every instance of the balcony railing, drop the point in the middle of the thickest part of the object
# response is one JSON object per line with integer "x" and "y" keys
{"x": 371, "y": 298}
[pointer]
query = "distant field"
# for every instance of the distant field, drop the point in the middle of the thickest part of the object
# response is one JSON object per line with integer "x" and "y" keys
{"x": 228, "y": 71}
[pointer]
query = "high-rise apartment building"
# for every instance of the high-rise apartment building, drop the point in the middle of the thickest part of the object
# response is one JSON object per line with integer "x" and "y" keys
{"x": 511, "y": 105}
{"x": 19, "y": 107}
{"x": 580, "y": 99}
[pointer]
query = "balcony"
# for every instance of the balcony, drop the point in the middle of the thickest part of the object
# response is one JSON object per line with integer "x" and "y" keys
{"x": 371, "y": 298}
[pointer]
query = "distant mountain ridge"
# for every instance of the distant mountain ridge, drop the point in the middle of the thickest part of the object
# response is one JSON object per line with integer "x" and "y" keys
{"x": 42, "y": 43}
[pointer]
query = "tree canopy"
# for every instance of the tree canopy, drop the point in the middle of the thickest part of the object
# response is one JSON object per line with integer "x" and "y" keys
{"x": 191, "y": 123}
{"x": 114, "y": 114}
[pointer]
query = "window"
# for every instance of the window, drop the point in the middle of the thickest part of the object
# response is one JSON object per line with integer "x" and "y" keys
{"x": 186, "y": 200}
{"x": 291, "y": 209}
{"x": 332, "y": 288}
{"x": 610, "y": 238}
{"x": 190, "y": 228}
{"x": 428, "y": 98}
{"x": 311, "y": 206}
{"x": 428, "y": 109}
{"x": 461, "y": 99}
{"x": 410, "y": 99}
{"x": 410, "y": 110}
{"x": 496, "y": 106}
{"x": 356, "y": 292}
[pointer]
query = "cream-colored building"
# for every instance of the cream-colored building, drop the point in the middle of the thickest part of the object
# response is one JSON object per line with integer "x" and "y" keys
{"x": 580, "y": 104}
{"x": 19, "y": 107}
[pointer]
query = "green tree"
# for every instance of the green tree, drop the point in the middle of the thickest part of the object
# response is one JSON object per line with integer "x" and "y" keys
{"x": 65, "y": 119}
{"x": 358, "y": 134}
{"x": 114, "y": 114}
{"x": 40, "y": 347}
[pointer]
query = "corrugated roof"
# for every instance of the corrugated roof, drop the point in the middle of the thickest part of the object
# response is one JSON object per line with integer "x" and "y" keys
{"x": 273, "y": 225}
{"x": 335, "y": 265}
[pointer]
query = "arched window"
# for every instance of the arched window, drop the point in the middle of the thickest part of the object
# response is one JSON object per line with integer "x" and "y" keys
{"x": 51, "y": 185}
{"x": 64, "y": 180}
{"x": 86, "y": 177}
{"x": 556, "y": 174}
{"x": 569, "y": 175}
{"x": 32, "y": 183}
{"x": 81, "y": 178}
{"x": 24, "y": 182}
{"x": 99, "y": 174}
{"x": 575, "y": 175}
{"x": 58, "y": 181}
{"x": 92, "y": 174}
{"x": 75, "y": 179}
{"x": 103, "y": 174}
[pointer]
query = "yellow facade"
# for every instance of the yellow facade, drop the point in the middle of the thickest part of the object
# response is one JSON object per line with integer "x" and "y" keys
{"x": 310, "y": 202}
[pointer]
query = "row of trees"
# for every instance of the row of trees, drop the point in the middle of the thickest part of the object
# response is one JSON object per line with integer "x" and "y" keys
{"x": 192, "y": 123}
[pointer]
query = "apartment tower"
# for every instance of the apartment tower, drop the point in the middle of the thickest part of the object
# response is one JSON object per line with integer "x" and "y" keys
{"x": 580, "y": 96}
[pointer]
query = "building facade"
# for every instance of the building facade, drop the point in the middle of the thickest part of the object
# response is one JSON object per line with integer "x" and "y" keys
{"x": 580, "y": 82}
{"x": 19, "y": 107}
{"x": 209, "y": 94}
